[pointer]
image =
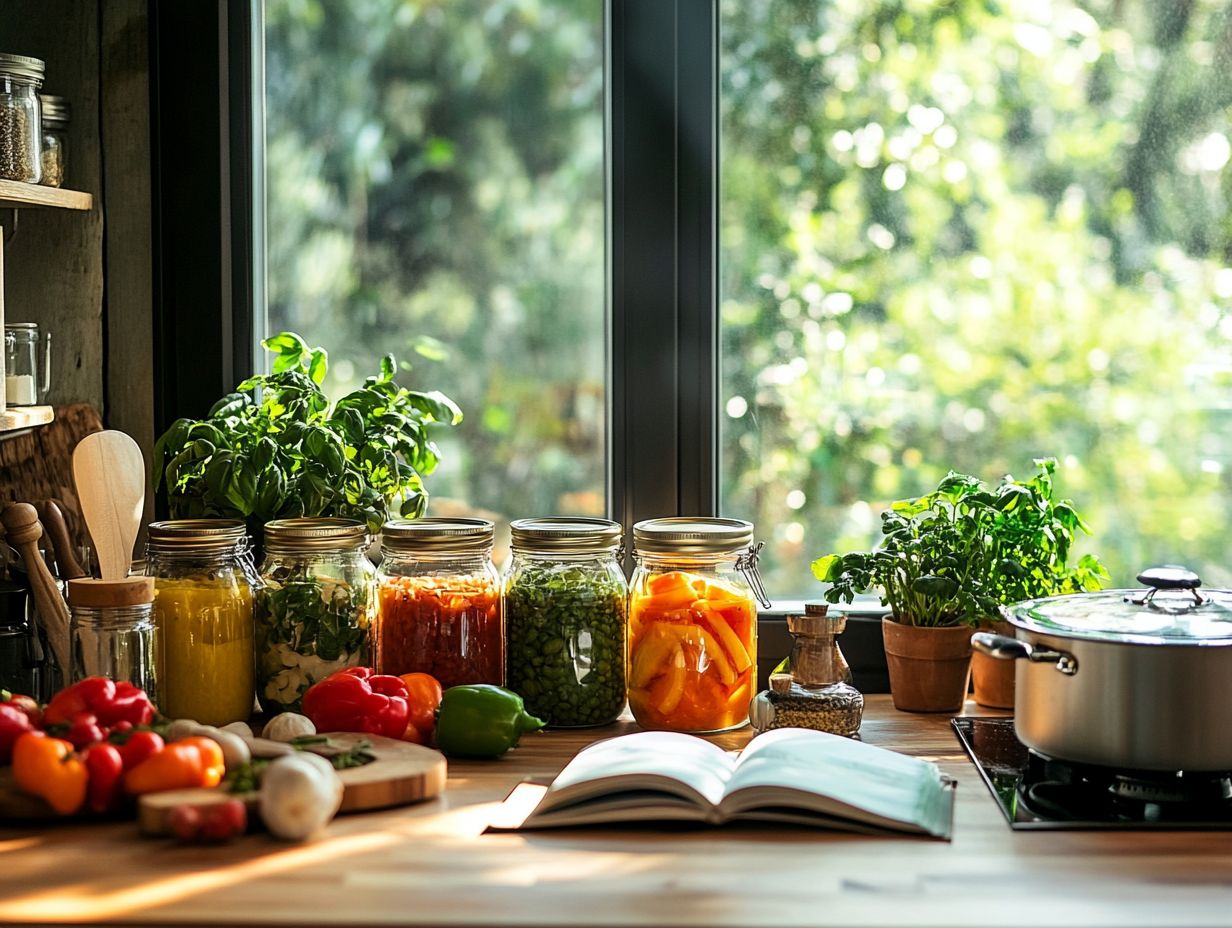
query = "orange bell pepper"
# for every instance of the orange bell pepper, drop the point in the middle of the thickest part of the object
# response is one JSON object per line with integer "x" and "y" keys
{"x": 47, "y": 767}
{"x": 183, "y": 764}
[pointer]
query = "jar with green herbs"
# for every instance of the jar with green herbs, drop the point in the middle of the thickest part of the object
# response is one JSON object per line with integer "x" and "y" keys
{"x": 203, "y": 581}
{"x": 565, "y": 600}
{"x": 314, "y": 607}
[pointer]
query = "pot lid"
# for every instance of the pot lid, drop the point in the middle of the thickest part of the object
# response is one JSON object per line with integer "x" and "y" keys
{"x": 1172, "y": 609}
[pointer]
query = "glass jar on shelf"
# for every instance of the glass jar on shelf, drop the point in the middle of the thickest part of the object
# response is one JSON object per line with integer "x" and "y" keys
{"x": 565, "y": 603}
{"x": 440, "y": 609}
{"x": 21, "y": 134}
{"x": 113, "y": 633}
{"x": 54, "y": 156}
{"x": 203, "y": 592}
{"x": 313, "y": 608}
{"x": 27, "y": 364}
{"x": 693, "y": 623}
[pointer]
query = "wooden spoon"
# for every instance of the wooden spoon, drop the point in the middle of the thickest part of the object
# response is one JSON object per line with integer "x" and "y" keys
{"x": 109, "y": 472}
{"x": 57, "y": 530}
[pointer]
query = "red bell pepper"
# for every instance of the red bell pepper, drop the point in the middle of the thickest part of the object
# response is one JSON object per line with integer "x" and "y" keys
{"x": 25, "y": 704}
{"x": 356, "y": 699}
{"x": 13, "y": 724}
{"x": 105, "y": 767}
{"x": 84, "y": 730}
{"x": 110, "y": 702}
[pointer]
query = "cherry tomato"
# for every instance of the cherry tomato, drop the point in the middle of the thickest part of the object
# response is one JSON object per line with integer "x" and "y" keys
{"x": 139, "y": 746}
{"x": 424, "y": 699}
{"x": 223, "y": 821}
{"x": 185, "y": 822}
{"x": 84, "y": 730}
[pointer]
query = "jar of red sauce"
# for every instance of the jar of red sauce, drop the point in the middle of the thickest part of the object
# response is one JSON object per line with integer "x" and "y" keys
{"x": 439, "y": 608}
{"x": 693, "y": 624}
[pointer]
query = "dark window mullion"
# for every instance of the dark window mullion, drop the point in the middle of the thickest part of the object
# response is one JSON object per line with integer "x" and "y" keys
{"x": 663, "y": 106}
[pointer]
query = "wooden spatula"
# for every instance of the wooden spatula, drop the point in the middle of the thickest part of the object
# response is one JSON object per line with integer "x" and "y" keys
{"x": 109, "y": 472}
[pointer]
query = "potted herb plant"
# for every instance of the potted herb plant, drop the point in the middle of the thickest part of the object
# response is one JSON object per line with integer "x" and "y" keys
{"x": 276, "y": 448}
{"x": 946, "y": 562}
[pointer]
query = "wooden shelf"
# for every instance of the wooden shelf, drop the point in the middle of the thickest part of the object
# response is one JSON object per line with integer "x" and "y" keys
{"x": 14, "y": 195}
{"x": 24, "y": 417}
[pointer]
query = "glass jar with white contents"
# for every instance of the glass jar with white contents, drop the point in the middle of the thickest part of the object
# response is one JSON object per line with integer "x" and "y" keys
{"x": 314, "y": 607}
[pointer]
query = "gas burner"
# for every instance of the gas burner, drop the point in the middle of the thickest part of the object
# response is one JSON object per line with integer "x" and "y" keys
{"x": 1035, "y": 791}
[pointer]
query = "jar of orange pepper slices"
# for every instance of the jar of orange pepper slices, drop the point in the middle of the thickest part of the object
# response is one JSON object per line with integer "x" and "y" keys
{"x": 693, "y": 623}
{"x": 439, "y": 608}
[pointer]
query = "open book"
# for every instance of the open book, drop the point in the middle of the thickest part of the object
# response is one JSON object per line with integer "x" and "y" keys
{"x": 789, "y": 775}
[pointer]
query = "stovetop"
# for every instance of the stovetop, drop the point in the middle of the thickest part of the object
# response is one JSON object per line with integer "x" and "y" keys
{"x": 1037, "y": 792}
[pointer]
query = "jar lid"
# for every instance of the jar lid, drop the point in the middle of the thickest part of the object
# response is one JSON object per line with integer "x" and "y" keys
{"x": 1173, "y": 610}
{"x": 565, "y": 535}
{"x": 104, "y": 594}
{"x": 23, "y": 66}
{"x": 196, "y": 536}
{"x": 55, "y": 110}
{"x": 438, "y": 535}
{"x": 691, "y": 535}
{"x": 21, "y": 326}
{"x": 292, "y": 536}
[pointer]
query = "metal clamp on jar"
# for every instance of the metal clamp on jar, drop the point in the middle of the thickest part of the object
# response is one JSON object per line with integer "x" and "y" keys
{"x": 693, "y": 623}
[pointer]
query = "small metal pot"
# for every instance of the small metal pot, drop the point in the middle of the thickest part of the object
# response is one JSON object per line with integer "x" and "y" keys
{"x": 1132, "y": 679}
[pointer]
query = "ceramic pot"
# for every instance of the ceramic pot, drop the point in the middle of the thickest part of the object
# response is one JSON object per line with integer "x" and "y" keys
{"x": 993, "y": 679}
{"x": 929, "y": 667}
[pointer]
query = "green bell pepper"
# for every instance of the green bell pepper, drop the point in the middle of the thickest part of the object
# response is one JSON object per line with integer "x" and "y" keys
{"x": 479, "y": 720}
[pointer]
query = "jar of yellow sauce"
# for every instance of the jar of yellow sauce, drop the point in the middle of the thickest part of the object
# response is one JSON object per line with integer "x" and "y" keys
{"x": 203, "y": 592}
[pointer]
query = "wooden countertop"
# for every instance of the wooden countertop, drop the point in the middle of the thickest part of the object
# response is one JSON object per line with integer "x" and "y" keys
{"x": 430, "y": 865}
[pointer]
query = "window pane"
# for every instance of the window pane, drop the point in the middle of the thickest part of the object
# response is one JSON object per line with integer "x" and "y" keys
{"x": 964, "y": 235}
{"x": 435, "y": 190}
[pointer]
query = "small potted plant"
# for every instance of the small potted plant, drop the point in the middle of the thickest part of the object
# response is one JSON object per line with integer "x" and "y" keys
{"x": 276, "y": 448}
{"x": 946, "y": 562}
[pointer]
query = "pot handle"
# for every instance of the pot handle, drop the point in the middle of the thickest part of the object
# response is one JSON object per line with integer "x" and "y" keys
{"x": 1006, "y": 648}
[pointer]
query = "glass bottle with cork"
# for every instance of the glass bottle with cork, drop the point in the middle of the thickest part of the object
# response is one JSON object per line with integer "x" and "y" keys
{"x": 814, "y": 691}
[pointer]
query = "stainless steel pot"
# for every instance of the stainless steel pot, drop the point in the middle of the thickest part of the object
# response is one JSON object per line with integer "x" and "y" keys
{"x": 1133, "y": 679}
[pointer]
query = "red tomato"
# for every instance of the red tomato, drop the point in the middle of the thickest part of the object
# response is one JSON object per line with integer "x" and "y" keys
{"x": 425, "y": 698}
{"x": 223, "y": 821}
{"x": 139, "y": 746}
{"x": 185, "y": 822}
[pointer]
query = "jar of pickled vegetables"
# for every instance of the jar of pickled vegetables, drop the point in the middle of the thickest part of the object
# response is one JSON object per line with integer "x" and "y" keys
{"x": 693, "y": 624}
{"x": 203, "y": 590}
{"x": 439, "y": 607}
{"x": 314, "y": 606}
{"x": 565, "y": 601}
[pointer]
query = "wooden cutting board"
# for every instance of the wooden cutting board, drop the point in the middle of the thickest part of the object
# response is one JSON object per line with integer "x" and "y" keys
{"x": 401, "y": 774}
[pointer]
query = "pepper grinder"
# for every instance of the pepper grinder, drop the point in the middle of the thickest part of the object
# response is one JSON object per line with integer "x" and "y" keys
{"x": 816, "y": 692}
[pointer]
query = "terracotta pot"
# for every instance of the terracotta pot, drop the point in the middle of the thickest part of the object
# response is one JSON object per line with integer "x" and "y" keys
{"x": 929, "y": 667}
{"x": 993, "y": 678}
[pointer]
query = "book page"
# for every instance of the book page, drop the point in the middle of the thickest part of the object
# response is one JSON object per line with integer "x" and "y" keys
{"x": 648, "y": 760}
{"x": 850, "y": 778}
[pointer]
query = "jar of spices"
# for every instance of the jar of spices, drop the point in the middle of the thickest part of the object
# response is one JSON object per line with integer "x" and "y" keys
{"x": 113, "y": 632}
{"x": 314, "y": 606}
{"x": 20, "y": 130}
{"x": 203, "y": 582}
{"x": 693, "y": 623}
{"x": 565, "y": 601}
{"x": 439, "y": 604}
{"x": 55, "y": 132}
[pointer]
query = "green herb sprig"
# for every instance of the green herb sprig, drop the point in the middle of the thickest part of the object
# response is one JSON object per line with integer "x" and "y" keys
{"x": 290, "y": 454}
{"x": 953, "y": 556}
